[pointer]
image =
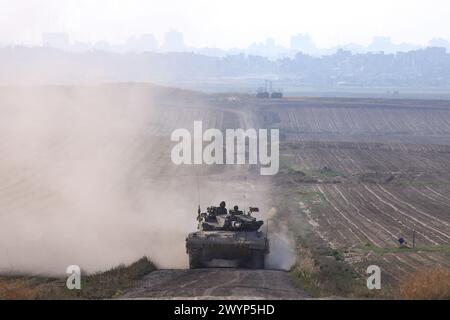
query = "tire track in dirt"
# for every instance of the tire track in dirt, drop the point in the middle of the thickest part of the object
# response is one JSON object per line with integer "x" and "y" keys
{"x": 215, "y": 284}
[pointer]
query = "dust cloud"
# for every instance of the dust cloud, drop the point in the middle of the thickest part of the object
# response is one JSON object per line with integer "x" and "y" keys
{"x": 86, "y": 178}
{"x": 77, "y": 183}
{"x": 282, "y": 245}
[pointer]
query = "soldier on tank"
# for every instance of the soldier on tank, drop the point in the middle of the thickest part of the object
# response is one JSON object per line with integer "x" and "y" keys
{"x": 235, "y": 211}
{"x": 222, "y": 210}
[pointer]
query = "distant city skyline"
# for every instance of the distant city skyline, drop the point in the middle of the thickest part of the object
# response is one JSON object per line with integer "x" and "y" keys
{"x": 226, "y": 24}
{"x": 422, "y": 68}
{"x": 174, "y": 42}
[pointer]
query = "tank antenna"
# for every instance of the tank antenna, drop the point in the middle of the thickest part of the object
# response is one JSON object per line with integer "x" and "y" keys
{"x": 245, "y": 194}
{"x": 198, "y": 191}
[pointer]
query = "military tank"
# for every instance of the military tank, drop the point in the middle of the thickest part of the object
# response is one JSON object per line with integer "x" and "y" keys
{"x": 227, "y": 239}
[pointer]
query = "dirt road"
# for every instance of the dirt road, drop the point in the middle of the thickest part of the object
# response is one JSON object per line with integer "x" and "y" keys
{"x": 216, "y": 284}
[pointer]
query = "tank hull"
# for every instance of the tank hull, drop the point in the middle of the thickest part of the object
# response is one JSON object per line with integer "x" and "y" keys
{"x": 208, "y": 249}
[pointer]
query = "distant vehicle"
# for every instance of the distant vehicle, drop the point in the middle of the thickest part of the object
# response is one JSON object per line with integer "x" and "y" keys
{"x": 393, "y": 93}
{"x": 227, "y": 239}
{"x": 276, "y": 95}
{"x": 263, "y": 95}
{"x": 267, "y": 92}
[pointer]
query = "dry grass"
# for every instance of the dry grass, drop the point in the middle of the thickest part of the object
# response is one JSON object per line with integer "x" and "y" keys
{"x": 103, "y": 285}
{"x": 426, "y": 284}
{"x": 16, "y": 289}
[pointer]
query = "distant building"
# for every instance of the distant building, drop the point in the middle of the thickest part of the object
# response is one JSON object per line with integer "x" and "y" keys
{"x": 381, "y": 44}
{"x": 144, "y": 43}
{"x": 441, "y": 43}
{"x": 268, "y": 49}
{"x": 435, "y": 53}
{"x": 384, "y": 44}
{"x": 173, "y": 41}
{"x": 57, "y": 40}
{"x": 103, "y": 46}
{"x": 303, "y": 43}
{"x": 79, "y": 46}
{"x": 270, "y": 43}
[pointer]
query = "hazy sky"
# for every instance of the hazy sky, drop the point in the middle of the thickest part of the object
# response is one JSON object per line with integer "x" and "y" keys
{"x": 226, "y": 23}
